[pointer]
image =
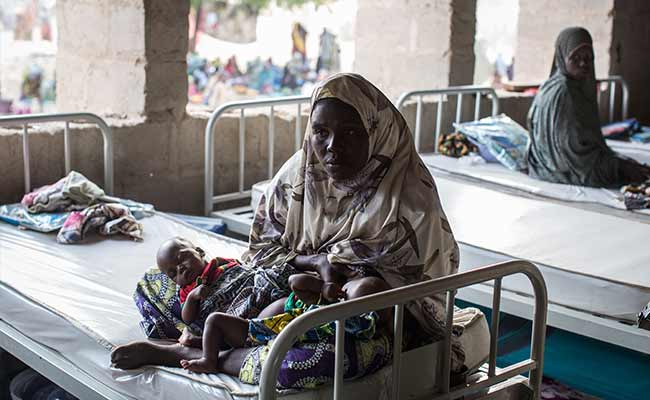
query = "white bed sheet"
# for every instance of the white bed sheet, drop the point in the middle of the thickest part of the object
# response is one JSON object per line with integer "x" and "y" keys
{"x": 591, "y": 261}
{"x": 76, "y": 299}
{"x": 497, "y": 174}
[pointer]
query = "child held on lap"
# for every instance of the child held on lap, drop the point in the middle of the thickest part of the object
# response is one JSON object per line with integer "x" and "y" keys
{"x": 182, "y": 262}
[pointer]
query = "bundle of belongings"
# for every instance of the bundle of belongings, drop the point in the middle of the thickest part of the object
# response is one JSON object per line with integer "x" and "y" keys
{"x": 630, "y": 129}
{"x": 643, "y": 319}
{"x": 497, "y": 139}
{"x": 75, "y": 206}
{"x": 455, "y": 145}
{"x": 636, "y": 197}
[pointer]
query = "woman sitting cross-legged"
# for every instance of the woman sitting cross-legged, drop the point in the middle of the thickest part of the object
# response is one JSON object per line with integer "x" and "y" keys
{"x": 567, "y": 145}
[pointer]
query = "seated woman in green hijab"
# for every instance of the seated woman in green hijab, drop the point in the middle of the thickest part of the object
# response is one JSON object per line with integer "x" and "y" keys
{"x": 567, "y": 145}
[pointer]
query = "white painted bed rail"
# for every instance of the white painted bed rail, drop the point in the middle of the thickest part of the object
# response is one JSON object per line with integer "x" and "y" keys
{"x": 612, "y": 82}
{"x": 444, "y": 95}
{"x": 397, "y": 298}
{"x": 209, "y": 198}
{"x": 26, "y": 119}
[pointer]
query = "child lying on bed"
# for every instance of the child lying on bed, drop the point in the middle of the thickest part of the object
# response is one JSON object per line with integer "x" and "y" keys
{"x": 184, "y": 263}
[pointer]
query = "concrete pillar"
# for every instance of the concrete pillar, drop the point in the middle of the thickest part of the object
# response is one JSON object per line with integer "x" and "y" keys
{"x": 630, "y": 53}
{"x": 405, "y": 45}
{"x": 122, "y": 58}
{"x": 621, "y": 35}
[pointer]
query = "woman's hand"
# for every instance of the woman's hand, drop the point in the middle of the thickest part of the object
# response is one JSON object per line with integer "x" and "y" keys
{"x": 634, "y": 172}
{"x": 329, "y": 272}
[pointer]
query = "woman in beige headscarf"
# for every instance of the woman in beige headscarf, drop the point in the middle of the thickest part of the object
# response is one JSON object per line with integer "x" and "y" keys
{"x": 358, "y": 200}
{"x": 358, "y": 197}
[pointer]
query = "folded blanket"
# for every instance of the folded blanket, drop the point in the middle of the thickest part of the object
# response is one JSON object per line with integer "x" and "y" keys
{"x": 74, "y": 192}
{"x": 52, "y": 207}
{"x": 620, "y": 130}
{"x": 108, "y": 219}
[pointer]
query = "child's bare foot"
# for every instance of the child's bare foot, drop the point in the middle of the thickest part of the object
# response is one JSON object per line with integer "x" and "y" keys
{"x": 190, "y": 340}
{"x": 200, "y": 365}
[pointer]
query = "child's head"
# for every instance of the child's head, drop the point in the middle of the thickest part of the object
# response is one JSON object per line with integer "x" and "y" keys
{"x": 180, "y": 260}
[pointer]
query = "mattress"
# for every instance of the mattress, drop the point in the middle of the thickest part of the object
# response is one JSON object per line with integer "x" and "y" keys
{"x": 591, "y": 261}
{"x": 76, "y": 300}
{"x": 503, "y": 178}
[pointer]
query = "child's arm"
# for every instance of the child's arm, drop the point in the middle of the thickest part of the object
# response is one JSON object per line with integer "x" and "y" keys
{"x": 309, "y": 288}
{"x": 192, "y": 305}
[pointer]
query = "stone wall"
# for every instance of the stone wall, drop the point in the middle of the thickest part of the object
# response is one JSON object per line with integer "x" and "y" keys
{"x": 631, "y": 53}
{"x": 539, "y": 24}
{"x": 156, "y": 162}
{"x": 406, "y": 45}
{"x": 621, "y": 35}
{"x": 122, "y": 58}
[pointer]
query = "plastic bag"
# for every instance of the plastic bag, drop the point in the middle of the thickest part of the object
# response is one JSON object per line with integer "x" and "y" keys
{"x": 501, "y": 137}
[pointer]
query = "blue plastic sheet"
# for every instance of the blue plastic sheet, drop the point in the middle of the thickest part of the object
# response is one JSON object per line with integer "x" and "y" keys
{"x": 499, "y": 138}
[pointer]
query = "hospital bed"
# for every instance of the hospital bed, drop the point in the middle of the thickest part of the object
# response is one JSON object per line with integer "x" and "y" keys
{"x": 598, "y": 282}
{"x": 601, "y": 200}
{"x": 65, "y": 307}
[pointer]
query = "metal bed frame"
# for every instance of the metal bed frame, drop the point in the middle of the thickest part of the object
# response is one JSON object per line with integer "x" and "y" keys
{"x": 57, "y": 368}
{"x": 397, "y": 298}
{"x": 67, "y": 118}
{"x": 239, "y": 219}
{"x": 612, "y": 82}
{"x": 580, "y": 322}
{"x": 443, "y": 96}
{"x": 44, "y": 360}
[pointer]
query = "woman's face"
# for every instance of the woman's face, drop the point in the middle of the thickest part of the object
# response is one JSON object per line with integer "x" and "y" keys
{"x": 581, "y": 63}
{"x": 338, "y": 138}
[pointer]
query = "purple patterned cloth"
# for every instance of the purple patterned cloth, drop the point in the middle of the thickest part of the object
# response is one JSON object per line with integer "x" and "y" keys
{"x": 309, "y": 365}
{"x": 245, "y": 292}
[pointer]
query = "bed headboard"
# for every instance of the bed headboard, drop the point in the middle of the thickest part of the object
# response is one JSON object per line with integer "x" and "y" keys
{"x": 209, "y": 198}
{"x": 68, "y": 118}
{"x": 612, "y": 82}
{"x": 444, "y": 95}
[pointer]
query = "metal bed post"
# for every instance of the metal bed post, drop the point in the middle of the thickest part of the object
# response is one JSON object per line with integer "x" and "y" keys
{"x": 494, "y": 326}
{"x": 612, "y": 82}
{"x": 67, "y": 147}
{"x": 242, "y": 149}
{"x": 297, "y": 143}
{"x": 612, "y": 99}
{"x": 418, "y": 123}
{"x": 459, "y": 91}
{"x": 397, "y": 349}
{"x": 107, "y": 135}
{"x": 397, "y": 297}
{"x": 28, "y": 183}
{"x": 209, "y": 197}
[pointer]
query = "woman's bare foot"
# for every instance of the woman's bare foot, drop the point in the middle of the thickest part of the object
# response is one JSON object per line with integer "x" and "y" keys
{"x": 138, "y": 354}
{"x": 200, "y": 365}
{"x": 170, "y": 354}
{"x": 191, "y": 340}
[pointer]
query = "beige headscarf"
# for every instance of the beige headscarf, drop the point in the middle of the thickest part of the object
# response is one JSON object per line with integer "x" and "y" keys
{"x": 387, "y": 218}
